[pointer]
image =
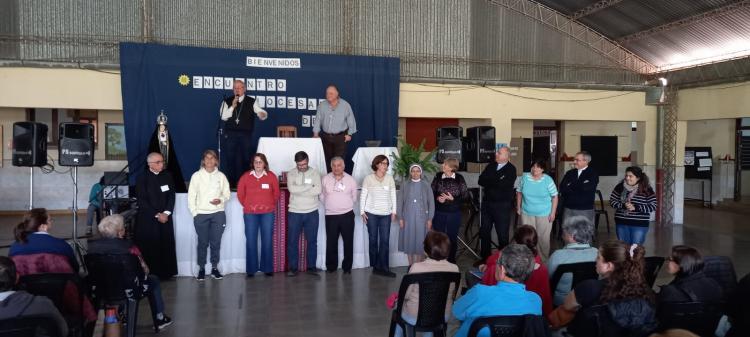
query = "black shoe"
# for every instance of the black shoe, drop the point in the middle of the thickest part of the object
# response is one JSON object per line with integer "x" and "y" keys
{"x": 347, "y": 271}
{"x": 313, "y": 271}
{"x": 250, "y": 275}
{"x": 162, "y": 323}
{"x": 216, "y": 274}
{"x": 390, "y": 274}
{"x": 201, "y": 275}
{"x": 330, "y": 271}
{"x": 291, "y": 273}
{"x": 269, "y": 274}
{"x": 376, "y": 271}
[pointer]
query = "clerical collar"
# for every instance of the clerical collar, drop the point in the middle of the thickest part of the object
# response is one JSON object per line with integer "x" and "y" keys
{"x": 155, "y": 173}
{"x": 258, "y": 176}
{"x": 501, "y": 165}
{"x": 242, "y": 97}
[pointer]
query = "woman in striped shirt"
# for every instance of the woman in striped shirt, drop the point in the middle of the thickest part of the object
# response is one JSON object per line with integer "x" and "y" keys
{"x": 378, "y": 210}
{"x": 633, "y": 200}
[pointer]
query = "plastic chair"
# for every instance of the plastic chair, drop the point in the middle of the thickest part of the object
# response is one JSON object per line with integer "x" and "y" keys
{"x": 652, "y": 268}
{"x": 581, "y": 271}
{"x": 115, "y": 279}
{"x": 433, "y": 296}
{"x": 500, "y": 326}
{"x": 600, "y": 211}
{"x": 701, "y": 318}
{"x": 29, "y": 326}
{"x": 54, "y": 286}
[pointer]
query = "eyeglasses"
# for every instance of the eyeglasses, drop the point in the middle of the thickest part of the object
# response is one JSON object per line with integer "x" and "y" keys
{"x": 258, "y": 162}
{"x": 383, "y": 163}
{"x": 156, "y": 162}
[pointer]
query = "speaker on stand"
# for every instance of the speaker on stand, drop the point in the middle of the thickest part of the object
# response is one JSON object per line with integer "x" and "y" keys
{"x": 449, "y": 143}
{"x": 29, "y": 149}
{"x": 76, "y": 148}
{"x": 480, "y": 146}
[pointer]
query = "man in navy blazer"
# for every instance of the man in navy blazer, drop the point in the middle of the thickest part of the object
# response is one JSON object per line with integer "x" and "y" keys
{"x": 578, "y": 188}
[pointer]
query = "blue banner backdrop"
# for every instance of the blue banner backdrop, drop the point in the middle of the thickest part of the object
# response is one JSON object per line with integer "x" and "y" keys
{"x": 189, "y": 83}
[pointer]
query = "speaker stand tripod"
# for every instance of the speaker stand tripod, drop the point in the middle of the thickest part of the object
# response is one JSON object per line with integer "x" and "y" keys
{"x": 31, "y": 187}
{"x": 80, "y": 251}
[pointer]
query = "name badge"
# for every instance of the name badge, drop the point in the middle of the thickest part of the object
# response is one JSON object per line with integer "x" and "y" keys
{"x": 164, "y": 188}
{"x": 265, "y": 186}
{"x": 308, "y": 181}
{"x": 387, "y": 188}
{"x": 340, "y": 186}
{"x": 585, "y": 181}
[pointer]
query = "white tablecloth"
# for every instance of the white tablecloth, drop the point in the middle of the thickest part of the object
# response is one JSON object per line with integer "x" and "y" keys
{"x": 233, "y": 241}
{"x": 280, "y": 152}
{"x": 363, "y": 160}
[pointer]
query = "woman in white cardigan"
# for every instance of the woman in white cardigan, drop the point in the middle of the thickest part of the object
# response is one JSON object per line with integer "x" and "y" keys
{"x": 377, "y": 205}
{"x": 207, "y": 195}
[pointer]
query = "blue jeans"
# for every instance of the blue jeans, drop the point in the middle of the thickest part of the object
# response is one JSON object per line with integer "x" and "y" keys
{"x": 379, "y": 230}
{"x": 448, "y": 223}
{"x": 253, "y": 223}
{"x": 155, "y": 301}
{"x": 307, "y": 223}
{"x": 631, "y": 234}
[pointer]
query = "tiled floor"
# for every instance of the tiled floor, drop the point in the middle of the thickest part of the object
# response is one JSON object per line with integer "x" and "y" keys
{"x": 354, "y": 305}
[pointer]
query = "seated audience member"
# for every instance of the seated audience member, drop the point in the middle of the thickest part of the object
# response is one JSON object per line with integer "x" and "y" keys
{"x": 508, "y": 297}
{"x": 622, "y": 288}
{"x": 112, "y": 241}
{"x": 437, "y": 247}
{"x": 686, "y": 264}
{"x": 538, "y": 281}
{"x": 32, "y": 237}
{"x": 738, "y": 309}
{"x": 577, "y": 235}
{"x": 20, "y": 304}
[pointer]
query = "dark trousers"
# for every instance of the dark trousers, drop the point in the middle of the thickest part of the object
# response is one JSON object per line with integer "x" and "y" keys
{"x": 379, "y": 232}
{"x": 306, "y": 223}
{"x": 340, "y": 224}
{"x": 333, "y": 145}
{"x": 209, "y": 229}
{"x": 494, "y": 214}
{"x": 448, "y": 223}
{"x": 236, "y": 149}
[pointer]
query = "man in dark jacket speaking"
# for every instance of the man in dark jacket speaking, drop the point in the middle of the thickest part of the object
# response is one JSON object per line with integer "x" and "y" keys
{"x": 578, "y": 188}
{"x": 497, "y": 179}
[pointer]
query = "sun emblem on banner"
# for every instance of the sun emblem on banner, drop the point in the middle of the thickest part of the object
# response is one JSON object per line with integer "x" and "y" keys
{"x": 184, "y": 80}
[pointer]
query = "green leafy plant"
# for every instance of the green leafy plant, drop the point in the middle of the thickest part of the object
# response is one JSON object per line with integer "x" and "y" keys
{"x": 408, "y": 155}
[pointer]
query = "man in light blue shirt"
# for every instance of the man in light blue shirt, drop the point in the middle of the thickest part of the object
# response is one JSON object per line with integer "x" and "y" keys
{"x": 334, "y": 124}
{"x": 577, "y": 234}
{"x": 508, "y": 298}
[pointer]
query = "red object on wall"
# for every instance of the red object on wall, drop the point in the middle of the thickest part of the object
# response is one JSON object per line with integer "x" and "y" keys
{"x": 418, "y": 128}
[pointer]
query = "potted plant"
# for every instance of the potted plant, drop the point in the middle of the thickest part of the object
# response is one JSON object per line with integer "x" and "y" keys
{"x": 408, "y": 155}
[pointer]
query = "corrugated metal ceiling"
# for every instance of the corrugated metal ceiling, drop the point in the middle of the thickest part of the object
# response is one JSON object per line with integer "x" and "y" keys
{"x": 669, "y": 33}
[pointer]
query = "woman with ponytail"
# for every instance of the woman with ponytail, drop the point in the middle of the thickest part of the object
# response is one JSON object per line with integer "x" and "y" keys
{"x": 32, "y": 237}
{"x": 622, "y": 287}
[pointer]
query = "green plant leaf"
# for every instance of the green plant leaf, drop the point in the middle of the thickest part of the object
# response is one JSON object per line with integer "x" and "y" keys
{"x": 408, "y": 155}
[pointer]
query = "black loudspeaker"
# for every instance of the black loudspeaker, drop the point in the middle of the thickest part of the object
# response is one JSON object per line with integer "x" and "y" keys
{"x": 449, "y": 143}
{"x": 29, "y": 144}
{"x": 76, "y": 144}
{"x": 480, "y": 144}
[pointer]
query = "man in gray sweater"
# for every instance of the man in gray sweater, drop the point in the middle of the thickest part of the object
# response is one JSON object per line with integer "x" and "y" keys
{"x": 20, "y": 304}
{"x": 304, "y": 184}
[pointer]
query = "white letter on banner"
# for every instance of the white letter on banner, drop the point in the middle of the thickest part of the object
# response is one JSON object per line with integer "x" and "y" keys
{"x": 271, "y": 85}
{"x": 270, "y": 101}
{"x": 312, "y": 120}
{"x": 306, "y": 121}
{"x": 301, "y": 103}
{"x": 281, "y": 102}
{"x": 250, "y": 84}
{"x": 291, "y": 102}
{"x": 228, "y": 83}
{"x": 208, "y": 82}
{"x": 260, "y": 84}
{"x": 267, "y": 62}
{"x": 281, "y": 85}
{"x": 218, "y": 82}
{"x": 312, "y": 104}
{"x": 261, "y": 101}
{"x": 197, "y": 82}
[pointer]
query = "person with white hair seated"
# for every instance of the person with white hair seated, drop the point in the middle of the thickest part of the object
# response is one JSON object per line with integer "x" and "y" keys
{"x": 578, "y": 232}
{"x": 112, "y": 241}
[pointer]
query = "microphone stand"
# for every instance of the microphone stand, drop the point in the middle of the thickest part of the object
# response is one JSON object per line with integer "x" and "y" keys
{"x": 220, "y": 127}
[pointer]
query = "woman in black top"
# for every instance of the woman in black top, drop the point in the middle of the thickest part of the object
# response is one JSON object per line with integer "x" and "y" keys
{"x": 690, "y": 284}
{"x": 622, "y": 287}
{"x": 450, "y": 191}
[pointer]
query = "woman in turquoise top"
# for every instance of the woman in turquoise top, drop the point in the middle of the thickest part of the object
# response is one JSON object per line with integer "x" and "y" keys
{"x": 536, "y": 202}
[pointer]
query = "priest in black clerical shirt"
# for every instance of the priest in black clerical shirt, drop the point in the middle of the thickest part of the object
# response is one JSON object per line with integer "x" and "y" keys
{"x": 154, "y": 234}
